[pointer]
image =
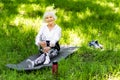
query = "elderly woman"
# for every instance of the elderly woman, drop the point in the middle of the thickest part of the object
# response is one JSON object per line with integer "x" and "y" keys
{"x": 47, "y": 40}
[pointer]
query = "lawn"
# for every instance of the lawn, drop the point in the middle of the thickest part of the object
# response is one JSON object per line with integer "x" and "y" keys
{"x": 81, "y": 21}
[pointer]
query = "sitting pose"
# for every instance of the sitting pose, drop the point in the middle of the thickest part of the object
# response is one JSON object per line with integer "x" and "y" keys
{"x": 47, "y": 40}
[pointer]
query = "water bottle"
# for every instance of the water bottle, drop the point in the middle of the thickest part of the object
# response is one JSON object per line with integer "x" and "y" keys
{"x": 55, "y": 68}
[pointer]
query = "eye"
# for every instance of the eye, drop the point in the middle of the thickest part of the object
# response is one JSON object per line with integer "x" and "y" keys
{"x": 51, "y": 17}
{"x": 46, "y": 17}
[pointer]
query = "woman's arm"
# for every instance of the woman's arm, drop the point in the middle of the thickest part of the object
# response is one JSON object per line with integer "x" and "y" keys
{"x": 38, "y": 37}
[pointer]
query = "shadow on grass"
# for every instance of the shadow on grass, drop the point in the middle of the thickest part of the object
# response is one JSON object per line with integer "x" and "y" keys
{"x": 100, "y": 18}
{"x": 89, "y": 63}
{"x": 85, "y": 16}
{"x": 97, "y": 19}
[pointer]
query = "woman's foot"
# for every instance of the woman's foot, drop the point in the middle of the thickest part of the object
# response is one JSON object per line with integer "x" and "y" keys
{"x": 47, "y": 60}
{"x": 30, "y": 63}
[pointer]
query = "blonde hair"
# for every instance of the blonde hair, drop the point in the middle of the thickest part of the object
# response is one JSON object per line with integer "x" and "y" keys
{"x": 50, "y": 13}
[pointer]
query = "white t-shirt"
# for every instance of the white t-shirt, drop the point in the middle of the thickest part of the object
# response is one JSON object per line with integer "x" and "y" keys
{"x": 44, "y": 34}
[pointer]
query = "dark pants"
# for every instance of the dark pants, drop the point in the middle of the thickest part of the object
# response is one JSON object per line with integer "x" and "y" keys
{"x": 51, "y": 53}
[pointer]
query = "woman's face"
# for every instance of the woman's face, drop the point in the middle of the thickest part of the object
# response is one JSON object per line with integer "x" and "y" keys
{"x": 49, "y": 19}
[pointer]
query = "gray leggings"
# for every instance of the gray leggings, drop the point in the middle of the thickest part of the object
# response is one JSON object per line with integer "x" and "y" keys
{"x": 51, "y": 53}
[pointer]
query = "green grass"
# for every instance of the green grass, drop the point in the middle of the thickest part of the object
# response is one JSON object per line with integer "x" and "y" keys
{"x": 81, "y": 21}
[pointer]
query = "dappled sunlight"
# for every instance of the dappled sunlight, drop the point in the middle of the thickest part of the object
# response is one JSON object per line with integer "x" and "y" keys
{"x": 1, "y": 6}
{"x": 81, "y": 21}
{"x": 117, "y": 10}
{"x": 26, "y": 22}
{"x": 66, "y": 17}
{"x": 109, "y": 4}
{"x": 118, "y": 26}
{"x": 92, "y": 30}
{"x": 50, "y": 8}
{"x": 105, "y": 3}
{"x": 61, "y": 15}
{"x": 5, "y": 29}
{"x": 84, "y": 15}
{"x": 112, "y": 35}
{"x": 93, "y": 33}
{"x": 114, "y": 76}
{"x": 75, "y": 0}
{"x": 29, "y": 22}
{"x": 23, "y": 9}
{"x": 73, "y": 38}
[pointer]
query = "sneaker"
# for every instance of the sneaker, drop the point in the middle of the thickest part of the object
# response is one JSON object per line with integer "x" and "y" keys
{"x": 47, "y": 60}
{"x": 30, "y": 63}
{"x": 95, "y": 44}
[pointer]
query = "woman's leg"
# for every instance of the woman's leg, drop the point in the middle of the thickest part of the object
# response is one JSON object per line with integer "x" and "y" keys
{"x": 52, "y": 53}
{"x": 40, "y": 59}
{"x": 37, "y": 61}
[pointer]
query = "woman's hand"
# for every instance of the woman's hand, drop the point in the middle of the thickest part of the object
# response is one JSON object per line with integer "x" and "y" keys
{"x": 46, "y": 49}
{"x": 43, "y": 44}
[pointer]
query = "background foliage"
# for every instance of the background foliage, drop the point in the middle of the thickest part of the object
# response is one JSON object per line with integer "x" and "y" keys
{"x": 81, "y": 21}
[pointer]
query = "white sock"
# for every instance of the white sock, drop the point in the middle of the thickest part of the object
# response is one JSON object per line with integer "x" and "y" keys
{"x": 47, "y": 60}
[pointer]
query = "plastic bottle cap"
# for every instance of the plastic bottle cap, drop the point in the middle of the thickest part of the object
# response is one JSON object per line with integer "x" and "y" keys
{"x": 55, "y": 62}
